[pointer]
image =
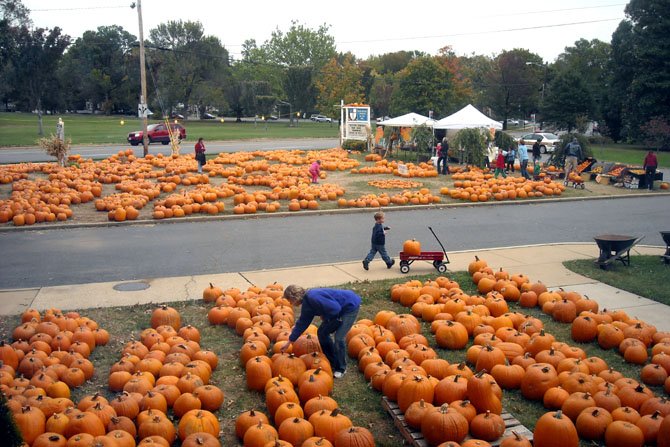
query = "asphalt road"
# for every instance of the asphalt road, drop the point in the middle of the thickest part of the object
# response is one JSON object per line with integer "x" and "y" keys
{"x": 75, "y": 256}
{"x": 35, "y": 154}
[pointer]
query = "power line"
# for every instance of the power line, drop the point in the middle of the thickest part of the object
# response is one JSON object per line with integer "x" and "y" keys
{"x": 79, "y": 9}
{"x": 474, "y": 33}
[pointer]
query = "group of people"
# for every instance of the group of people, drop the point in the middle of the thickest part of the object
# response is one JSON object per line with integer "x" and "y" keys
{"x": 504, "y": 161}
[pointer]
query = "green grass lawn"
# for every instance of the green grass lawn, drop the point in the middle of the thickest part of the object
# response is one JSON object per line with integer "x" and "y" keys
{"x": 646, "y": 276}
{"x": 20, "y": 129}
{"x": 628, "y": 154}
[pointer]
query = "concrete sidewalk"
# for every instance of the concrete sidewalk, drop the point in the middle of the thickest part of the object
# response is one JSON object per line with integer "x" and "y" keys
{"x": 538, "y": 262}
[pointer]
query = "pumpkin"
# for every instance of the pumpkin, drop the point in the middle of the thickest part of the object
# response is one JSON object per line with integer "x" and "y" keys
{"x": 487, "y": 426}
{"x": 197, "y": 421}
{"x": 248, "y": 419}
{"x": 555, "y": 430}
{"x": 444, "y": 424}
{"x": 201, "y": 440}
{"x": 211, "y": 293}
{"x": 623, "y": 434}
{"x": 295, "y": 430}
{"x": 411, "y": 247}
{"x": 414, "y": 388}
{"x": 31, "y": 422}
{"x": 260, "y": 434}
{"x": 354, "y": 436}
{"x": 416, "y": 412}
{"x": 515, "y": 440}
{"x": 165, "y": 315}
{"x": 328, "y": 423}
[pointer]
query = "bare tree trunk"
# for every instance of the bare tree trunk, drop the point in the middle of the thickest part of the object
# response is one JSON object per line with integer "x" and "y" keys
{"x": 40, "y": 128}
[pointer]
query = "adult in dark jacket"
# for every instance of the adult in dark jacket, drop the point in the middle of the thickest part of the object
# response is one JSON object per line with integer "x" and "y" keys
{"x": 442, "y": 154}
{"x": 537, "y": 152}
{"x": 573, "y": 155}
{"x": 338, "y": 310}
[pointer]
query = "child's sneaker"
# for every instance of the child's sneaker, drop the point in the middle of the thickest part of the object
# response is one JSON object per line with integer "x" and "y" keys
{"x": 365, "y": 265}
{"x": 390, "y": 264}
{"x": 338, "y": 374}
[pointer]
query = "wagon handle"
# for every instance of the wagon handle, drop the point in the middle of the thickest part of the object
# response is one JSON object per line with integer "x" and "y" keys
{"x": 438, "y": 241}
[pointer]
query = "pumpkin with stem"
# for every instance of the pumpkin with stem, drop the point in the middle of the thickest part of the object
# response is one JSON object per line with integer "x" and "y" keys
{"x": 553, "y": 429}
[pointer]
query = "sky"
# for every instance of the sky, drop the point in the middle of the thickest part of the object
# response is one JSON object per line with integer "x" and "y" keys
{"x": 364, "y": 28}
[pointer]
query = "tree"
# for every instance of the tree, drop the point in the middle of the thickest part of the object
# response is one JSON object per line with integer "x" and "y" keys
{"x": 649, "y": 39}
{"x": 567, "y": 99}
{"x": 513, "y": 85}
{"x": 589, "y": 60}
{"x": 473, "y": 142}
{"x": 477, "y": 72}
{"x": 619, "y": 101}
{"x": 299, "y": 88}
{"x": 381, "y": 94}
{"x": 100, "y": 68}
{"x": 184, "y": 58}
{"x": 392, "y": 63}
{"x": 340, "y": 79}
{"x": 38, "y": 53}
{"x": 301, "y": 46}
{"x": 425, "y": 84}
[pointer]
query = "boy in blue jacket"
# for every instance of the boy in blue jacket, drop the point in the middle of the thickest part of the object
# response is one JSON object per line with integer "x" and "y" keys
{"x": 338, "y": 310}
{"x": 378, "y": 243}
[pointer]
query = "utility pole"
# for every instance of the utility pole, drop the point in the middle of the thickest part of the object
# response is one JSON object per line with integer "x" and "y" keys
{"x": 143, "y": 81}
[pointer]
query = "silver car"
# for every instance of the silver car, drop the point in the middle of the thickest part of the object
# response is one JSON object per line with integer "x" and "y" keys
{"x": 547, "y": 144}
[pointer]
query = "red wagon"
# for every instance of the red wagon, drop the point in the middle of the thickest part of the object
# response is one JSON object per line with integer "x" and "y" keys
{"x": 439, "y": 258}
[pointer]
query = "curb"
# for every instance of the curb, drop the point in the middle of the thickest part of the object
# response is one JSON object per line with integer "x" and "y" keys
{"x": 41, "y": 227}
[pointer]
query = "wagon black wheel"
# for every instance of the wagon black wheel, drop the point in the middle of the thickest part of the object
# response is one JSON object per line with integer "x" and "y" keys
{"x": 436, "y": 264}
{"x": 404, "y": 268}
{"x": 442, "y": 268}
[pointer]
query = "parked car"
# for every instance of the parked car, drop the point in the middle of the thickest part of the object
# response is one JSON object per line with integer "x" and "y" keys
{"x": 176, "y": 116}
{"x": 157, "y": 133}
{"x": 273, "y": 117}
{"x": 548, "y": 143}
{"x": 208, "y": 116}
{"x": 321, "y": 119}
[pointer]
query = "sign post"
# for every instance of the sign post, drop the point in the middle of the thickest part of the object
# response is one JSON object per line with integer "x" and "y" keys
{"x": 356, "y": 122}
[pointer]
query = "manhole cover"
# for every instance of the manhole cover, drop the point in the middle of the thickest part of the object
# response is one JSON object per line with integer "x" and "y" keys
{"x": 131, "y": 286}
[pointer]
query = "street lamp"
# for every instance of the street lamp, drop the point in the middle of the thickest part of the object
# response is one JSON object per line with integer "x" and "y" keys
{"x": 544, "y": 82}
{"x": 290, "y": 111}
{"x": 544, "y": 78}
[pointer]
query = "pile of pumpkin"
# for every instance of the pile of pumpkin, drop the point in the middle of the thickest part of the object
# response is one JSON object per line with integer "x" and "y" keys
{"x": 297, "y": 384}
{"x": 395, "y": 184}
{"x": 484, "y": 188}
{"x": 599, "y": 402}
{"x": 391, "y": 167}
{"x": 166, "y": 369}
{"x": 48, "y": 358}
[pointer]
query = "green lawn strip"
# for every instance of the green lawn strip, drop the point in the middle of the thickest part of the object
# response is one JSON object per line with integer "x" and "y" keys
{"x": 627, "y": 154}
{"x": 357, "y": 399}
{"x": 646, "y": 276}
{"x": 21, "y": 129}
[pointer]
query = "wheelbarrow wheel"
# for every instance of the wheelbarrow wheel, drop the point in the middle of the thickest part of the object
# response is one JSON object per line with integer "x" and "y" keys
{"x": 404, "y": 267}
{"x": 442, "y": 268}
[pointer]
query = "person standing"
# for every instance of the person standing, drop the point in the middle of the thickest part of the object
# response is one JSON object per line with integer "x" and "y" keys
{"x": 315, "y": 170}
{"x": 650, "y": 164}
{"x": 60, "y": 129}
{"x": 442, "y": 154}
{"x": 338, "y": 310}
{"x": 537, "y": 152}
{"x": 523, "y": 159}
{"x": 200, "y": 154}
{"x": 500, "y": 164}
{"x": 378, "y": 243}
{"x": 509, "y": 158}
{"x": 573, "y": 153}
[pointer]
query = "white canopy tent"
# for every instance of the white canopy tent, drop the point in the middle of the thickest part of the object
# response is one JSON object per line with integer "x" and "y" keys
{"x": 467, "y": 118}
{"x": 409, "y": 120}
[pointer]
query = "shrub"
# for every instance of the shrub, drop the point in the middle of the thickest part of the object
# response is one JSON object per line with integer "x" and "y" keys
{"x": 355, "y": 145}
